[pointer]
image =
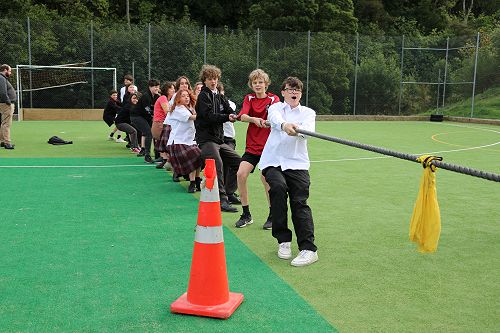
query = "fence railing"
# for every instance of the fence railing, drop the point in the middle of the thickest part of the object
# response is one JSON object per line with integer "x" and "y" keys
{"x": 342, "y": 74}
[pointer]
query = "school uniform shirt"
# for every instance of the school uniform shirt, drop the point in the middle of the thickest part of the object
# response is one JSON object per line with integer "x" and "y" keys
{"x": 158, "y": 113}
{"x": 257, "y": 107}
{"x": 183, "y": 129}
{"x": 228, "y": 126}
{"x": 123, "y": 90}
{"x": 281, "y": 149}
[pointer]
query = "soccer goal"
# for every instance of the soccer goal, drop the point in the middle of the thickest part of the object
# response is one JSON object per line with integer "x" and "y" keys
{"x": 62, "y": 89}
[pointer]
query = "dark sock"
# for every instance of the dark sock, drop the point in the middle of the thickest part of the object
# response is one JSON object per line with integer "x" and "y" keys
{"x": 246, "y": 210}
{"x": 270, "y": 215}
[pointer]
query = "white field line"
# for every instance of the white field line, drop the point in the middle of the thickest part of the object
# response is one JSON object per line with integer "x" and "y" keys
{"x": 427, "y": 153}
{"x": 319, "y": 161}
{"x": 75, "y": 166}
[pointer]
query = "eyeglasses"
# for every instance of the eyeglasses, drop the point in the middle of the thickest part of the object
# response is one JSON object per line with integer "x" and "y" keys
{"x": 293, "y": 90}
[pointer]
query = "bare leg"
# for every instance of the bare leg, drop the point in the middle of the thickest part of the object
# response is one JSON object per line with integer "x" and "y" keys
{"x": 242, "y": 176}
{"x": 266, "y": 188}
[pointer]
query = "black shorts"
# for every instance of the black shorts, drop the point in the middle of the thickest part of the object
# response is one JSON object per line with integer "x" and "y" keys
{"x": 252, "y": 159}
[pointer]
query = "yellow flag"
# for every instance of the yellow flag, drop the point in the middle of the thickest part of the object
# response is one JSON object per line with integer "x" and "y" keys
{"x": 425, "y": 225}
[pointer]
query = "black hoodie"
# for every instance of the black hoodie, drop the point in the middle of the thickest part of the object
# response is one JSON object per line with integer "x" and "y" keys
{"x": 212, "y": 110}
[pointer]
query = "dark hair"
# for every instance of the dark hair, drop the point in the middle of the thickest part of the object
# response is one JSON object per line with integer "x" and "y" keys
{"x": 4, "y": 67}
{"x": 209, "y": 72}
{"x": 128, "y": 77}
{"x": 164, "y": 88}
{"x": 153, "y": 82}
{"x": 178, "y": 82}
{"x": 137, "y": 94}
{"x": 293, "y": 82}
{"x": 113, "y": 92}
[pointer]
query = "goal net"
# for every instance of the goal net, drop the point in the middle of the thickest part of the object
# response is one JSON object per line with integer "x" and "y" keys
{"x": 70, "y": 86}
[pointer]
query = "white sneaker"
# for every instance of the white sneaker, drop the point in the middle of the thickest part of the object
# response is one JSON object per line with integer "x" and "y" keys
{"x": 168, "y": 166}
{"x": 120, "y": 140}
{"x": 305, "y": 257}
{"x": 284, "y": 250}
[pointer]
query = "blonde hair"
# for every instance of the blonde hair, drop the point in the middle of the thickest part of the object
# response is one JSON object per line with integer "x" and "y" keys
{"x": 258, "y": 74}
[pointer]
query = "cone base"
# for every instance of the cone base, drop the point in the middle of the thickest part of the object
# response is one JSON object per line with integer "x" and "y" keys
{"x": 223, "y": 311}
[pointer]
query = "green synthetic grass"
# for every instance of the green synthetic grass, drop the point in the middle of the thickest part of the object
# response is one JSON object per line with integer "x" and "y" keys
{"x": 369, "y": 276}
{"x": 108, "y": 249}
{"x": 486, "y": 105}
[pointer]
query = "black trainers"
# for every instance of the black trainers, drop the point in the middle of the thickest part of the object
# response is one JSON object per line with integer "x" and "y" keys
{"x": 192, "y": 187}
{"x": 148, "y": 159}
{"x": 226, "y": 207}
{"x": 161, "y": 165}
{"x": 233, "y": 199}
{"x": 268, "y": 225}
{"x": 198, "y": 184}
{"x": 175, "y": 178}
{"x": 142, "y": 152}
{"x": 243, "y": 221}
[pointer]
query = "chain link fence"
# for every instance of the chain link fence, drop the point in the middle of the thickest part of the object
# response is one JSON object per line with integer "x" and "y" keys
{"x": 342, "y": 74}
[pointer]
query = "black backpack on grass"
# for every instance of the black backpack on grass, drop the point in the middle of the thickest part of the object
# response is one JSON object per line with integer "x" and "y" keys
{"x": 55, "y": 140}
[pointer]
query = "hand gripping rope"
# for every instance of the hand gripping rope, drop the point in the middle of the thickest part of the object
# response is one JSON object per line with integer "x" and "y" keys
{"x": 434, "y": 162}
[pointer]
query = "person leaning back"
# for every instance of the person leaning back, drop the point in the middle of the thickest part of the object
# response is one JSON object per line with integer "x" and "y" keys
{"x": 7, "y": 104}
{"x": 285, "y": 165}
{"x": 212, "y": 110}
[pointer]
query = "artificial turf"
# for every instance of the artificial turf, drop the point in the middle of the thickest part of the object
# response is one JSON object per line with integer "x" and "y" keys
{"x": 88, "y": 248}
{"x": 369, "y": 277}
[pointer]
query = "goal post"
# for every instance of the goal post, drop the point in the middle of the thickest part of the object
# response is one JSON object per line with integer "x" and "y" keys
{"x": 70, "y": 86}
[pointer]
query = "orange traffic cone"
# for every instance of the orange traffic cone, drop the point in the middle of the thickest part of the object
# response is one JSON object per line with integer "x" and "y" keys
{"x": 208, "y": 292}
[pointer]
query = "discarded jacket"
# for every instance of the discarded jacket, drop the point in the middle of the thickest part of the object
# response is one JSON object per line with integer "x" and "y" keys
{"x": 55, "y": 140}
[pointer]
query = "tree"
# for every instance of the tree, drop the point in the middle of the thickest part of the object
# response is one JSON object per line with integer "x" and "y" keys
{"x": 304, "y": 15}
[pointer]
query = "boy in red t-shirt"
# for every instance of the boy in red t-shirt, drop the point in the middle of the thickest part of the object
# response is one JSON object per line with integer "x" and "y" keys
{"x": 254, "y": 112}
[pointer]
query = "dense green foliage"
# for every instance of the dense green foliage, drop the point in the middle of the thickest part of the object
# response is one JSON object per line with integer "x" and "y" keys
{"x": 61, "y": 33}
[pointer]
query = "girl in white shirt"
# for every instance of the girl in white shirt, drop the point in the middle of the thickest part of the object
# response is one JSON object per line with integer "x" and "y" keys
{"x": 184, "y": 152}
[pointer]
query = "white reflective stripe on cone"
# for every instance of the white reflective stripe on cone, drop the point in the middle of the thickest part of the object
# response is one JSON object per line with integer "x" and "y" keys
{"x": 210, "y": 195}
{"x": 208, "y": 235}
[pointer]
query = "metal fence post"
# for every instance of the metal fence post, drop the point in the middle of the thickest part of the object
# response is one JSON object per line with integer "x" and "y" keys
{"x": 18, "y": 86}
{"x": 92, "y": 59}
{"x": 29, "y": 62}
{"x": 475, "y": 73}
{"x": 445, "y": 68}
{"x": 307, "y": 70}
{"x": 258, "y": 36}
{"x": 438, "y": 84}
{"x": 401, "y": 74}
{"x": 204, "y": 44}
{"x": 356, "y": 74}
{"x": 149, "y": 51}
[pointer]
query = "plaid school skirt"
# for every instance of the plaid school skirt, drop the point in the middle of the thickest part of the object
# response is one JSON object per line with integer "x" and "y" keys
{"x": 161, "y": 144}
{"x": 184, "y": 158}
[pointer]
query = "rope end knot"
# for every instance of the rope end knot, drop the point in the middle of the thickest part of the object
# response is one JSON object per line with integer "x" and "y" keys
{"x": 426, "y": 161}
